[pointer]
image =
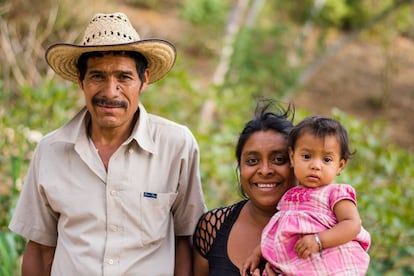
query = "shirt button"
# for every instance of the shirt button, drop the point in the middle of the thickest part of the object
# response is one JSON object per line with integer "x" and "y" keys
{"x": 114, "y": 228}
{"x": 111, "y": 261}
{"x": 113, "y": 193}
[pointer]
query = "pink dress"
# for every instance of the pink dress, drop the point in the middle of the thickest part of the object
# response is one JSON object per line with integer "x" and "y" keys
{"x": 306, "y": 211}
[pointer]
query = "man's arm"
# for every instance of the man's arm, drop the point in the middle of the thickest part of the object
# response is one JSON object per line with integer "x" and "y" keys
{"x": 37, "y": 259}
{"x": 183, "y": 256}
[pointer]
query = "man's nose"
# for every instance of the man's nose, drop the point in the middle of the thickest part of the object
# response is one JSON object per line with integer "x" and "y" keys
{"x": 112, "y": 87}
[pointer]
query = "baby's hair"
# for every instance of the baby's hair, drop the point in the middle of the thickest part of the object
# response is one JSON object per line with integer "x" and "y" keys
{"x": 321, "y": 127}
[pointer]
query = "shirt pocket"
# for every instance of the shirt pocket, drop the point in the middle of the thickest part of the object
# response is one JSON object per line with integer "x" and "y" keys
{"x": 156, "y": 216}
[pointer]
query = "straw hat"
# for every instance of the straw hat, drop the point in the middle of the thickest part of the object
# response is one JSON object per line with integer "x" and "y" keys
{"x": 111, "y": 32}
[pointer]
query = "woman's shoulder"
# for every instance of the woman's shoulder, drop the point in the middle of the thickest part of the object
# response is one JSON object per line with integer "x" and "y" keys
{"x": 220, "y": 213}
{"x": 212, "y": 222}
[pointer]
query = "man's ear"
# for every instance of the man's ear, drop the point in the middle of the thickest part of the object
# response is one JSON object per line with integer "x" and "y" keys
{"x": 145, "y": 83}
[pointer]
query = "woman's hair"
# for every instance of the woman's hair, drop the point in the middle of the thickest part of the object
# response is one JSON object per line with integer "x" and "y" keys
{"x": 140, "y": 61}
{"x": 269, "y": 115}
{"x": 322, "y": 127}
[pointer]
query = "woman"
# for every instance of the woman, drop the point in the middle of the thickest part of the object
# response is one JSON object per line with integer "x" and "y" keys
{"x": 317, "y": 229}
{"x": 225, "y": 237}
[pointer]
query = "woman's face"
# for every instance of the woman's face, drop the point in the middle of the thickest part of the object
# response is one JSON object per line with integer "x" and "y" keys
{"x": 265, "y": 173}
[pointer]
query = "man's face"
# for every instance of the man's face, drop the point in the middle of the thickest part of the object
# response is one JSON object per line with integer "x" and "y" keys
{"x": 112, "y": 88}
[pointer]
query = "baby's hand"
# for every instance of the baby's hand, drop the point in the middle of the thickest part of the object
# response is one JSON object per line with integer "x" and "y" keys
{"x": 306, "y": 246}
{"x": 250, "y": 265}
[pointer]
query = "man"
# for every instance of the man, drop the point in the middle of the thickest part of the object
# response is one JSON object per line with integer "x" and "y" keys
{"x": 115, "y": 191}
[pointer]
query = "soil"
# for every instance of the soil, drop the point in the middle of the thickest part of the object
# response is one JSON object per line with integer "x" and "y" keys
{"x": 362, "y": 79}
{"x": 369, "y": 83}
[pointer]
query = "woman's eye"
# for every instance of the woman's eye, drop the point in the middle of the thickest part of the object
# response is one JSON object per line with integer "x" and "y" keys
{"x": 280, "y": 160}
{"x": 251, "y": 161}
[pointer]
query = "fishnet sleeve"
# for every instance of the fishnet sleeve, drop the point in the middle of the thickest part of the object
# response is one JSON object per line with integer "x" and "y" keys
{"x": 207, "y": 228}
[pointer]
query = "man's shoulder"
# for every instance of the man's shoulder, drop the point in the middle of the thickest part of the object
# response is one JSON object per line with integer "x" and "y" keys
{"x": 163, "y": 122}
{"x": 49, "y": 137}
{"x": 166, "y": 127}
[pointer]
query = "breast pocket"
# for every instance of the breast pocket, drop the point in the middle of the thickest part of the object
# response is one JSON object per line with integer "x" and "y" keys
{"x": 155, "y": 215}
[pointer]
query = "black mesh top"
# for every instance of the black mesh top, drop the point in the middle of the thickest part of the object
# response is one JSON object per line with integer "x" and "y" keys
{"x": 211, "y": 236}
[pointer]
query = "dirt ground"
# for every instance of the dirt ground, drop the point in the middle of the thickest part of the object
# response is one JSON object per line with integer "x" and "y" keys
{"x": 359, "y": 78}
{"x": 362, "y": 79}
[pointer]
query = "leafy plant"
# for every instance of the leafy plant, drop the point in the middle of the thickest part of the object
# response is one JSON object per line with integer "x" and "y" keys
{"x": 260, "y": 67}
{"x": 10, "y": 251}
{"x": 382, "y": 176}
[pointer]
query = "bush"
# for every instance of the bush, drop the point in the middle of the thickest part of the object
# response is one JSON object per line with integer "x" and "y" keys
{"x": 382, "y": 175}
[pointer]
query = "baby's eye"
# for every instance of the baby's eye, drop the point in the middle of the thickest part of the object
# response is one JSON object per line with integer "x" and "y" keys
{"x": 306, "y": 156}
{"x": 327, "y": 159}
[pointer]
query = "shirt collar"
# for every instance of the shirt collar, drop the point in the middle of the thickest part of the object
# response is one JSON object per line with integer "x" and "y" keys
{"x": 75, "y": 131}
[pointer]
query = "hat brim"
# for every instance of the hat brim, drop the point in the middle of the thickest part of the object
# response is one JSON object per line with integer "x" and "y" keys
{"x": 160, "y": 54}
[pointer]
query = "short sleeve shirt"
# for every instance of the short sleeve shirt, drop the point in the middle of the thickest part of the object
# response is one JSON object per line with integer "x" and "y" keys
{"x": 119, "y": 221}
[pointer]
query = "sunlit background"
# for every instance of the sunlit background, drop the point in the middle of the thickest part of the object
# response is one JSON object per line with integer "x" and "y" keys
{"x": 350, "y": 59}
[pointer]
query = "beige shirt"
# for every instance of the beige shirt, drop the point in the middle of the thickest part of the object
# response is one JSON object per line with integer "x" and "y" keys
{"x": 119, "y": 222}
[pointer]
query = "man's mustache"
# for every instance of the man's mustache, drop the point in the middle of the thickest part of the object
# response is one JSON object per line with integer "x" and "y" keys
{"x": 109, "y": 103}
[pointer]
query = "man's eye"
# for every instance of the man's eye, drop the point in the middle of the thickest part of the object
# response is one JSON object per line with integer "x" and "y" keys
{"x": 124, "y": 77}
{"x": 96, "y": 77}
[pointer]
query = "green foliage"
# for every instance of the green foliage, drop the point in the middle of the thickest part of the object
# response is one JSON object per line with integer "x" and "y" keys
{"x": 207, "y": 19}
{"x": 11, "y": 247}
{"x": 261, "y": 61}
{"x": 176, "y": 92}
{"x": 204, "y": 12}
{"x": 35, "y": 111}
{"x": 260, "y": 67}
{"x": 44, "y": 107}
{"x": 382, "y": 176}
{"x": 336, "y": 12}
{"x": 346, "y": 14}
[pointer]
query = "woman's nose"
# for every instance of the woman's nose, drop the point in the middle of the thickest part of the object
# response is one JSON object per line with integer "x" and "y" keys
{"x": 266, "y": 169}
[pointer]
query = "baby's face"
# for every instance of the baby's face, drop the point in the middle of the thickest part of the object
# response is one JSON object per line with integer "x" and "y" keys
{"x": 316, "y": 161}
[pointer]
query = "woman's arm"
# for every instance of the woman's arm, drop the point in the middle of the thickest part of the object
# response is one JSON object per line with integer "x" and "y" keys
{"x": 200, "y": 264}
{"x": 347, "y": 228}
{"x": 37, "y": 259}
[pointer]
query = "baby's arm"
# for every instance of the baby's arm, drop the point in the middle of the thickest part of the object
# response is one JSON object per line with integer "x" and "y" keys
{"x": 347, "y": 228}
{"x": 252, "y": 262}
